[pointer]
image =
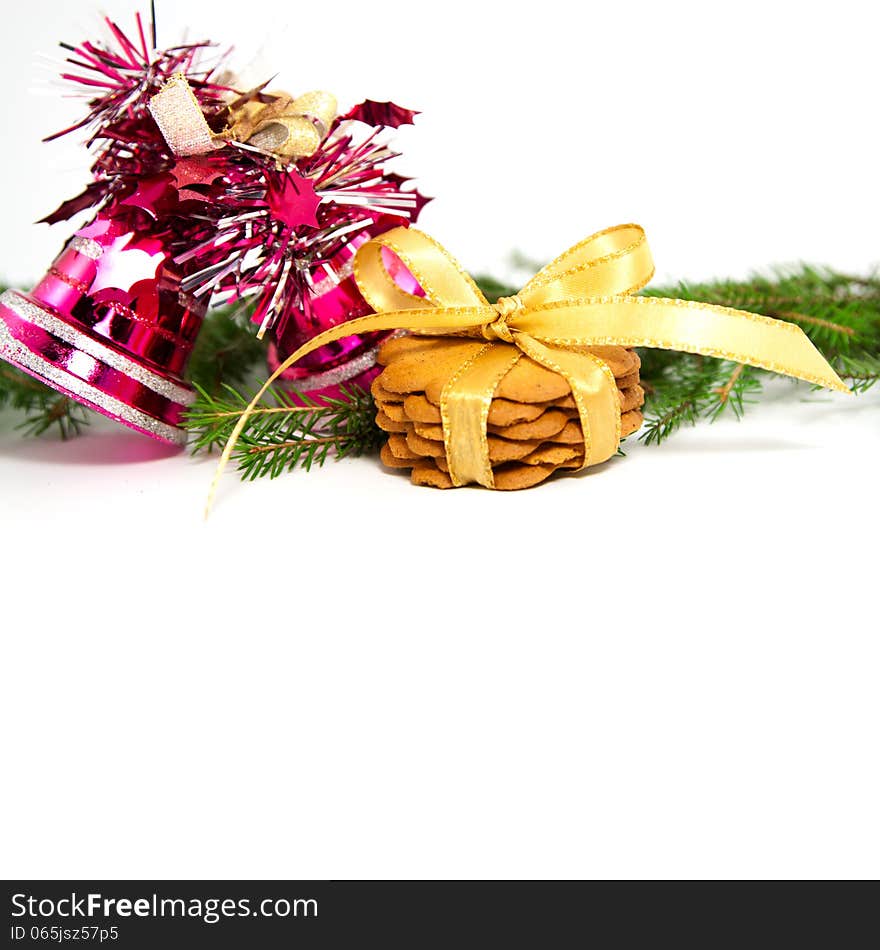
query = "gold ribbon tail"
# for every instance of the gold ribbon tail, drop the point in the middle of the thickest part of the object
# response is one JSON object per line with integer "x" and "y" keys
{"x": 464, "y": 413}
{"x": 684, "y": 325}
{"x": 595, "y": 394}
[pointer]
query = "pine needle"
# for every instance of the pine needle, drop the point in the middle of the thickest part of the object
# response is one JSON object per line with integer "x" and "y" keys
{"x": 43, "y": 408}
{"x": 292, "y": 432}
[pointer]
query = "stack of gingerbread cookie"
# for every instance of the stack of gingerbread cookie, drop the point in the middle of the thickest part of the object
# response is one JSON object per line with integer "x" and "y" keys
{"x": 533, "y": 429}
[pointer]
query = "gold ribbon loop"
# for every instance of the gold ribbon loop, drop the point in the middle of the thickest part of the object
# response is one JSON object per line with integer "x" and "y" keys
{"x": 614, "y": 261}
{"x": 445, "y": 282}
{"x": 319, "y": 107}
{"x": 583, "y": 298}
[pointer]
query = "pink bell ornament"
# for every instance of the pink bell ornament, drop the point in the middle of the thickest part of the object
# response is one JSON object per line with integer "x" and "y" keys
{"x": 334, "y": 298}
{"x": 109, "y": 326}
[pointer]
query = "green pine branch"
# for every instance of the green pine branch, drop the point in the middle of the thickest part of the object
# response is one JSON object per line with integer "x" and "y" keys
{"x": 285, "y": 433}
{"x": 227, "y": 351}
{"x": 43, "y": 408}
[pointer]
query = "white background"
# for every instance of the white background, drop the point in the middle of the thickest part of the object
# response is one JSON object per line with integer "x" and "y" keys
{"x": 664, "y": 667}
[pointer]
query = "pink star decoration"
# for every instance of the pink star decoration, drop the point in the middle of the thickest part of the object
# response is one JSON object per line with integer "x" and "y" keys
{"x": 292, "y": 199}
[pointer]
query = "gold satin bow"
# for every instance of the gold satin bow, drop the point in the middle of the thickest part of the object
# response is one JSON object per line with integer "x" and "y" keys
{"x": 286, "y": 127}
{"x": 586, "y": 297}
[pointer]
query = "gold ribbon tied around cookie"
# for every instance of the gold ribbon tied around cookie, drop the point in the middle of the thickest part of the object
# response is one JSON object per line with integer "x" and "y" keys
{"x": 586, "y": 297}
{"x": 288, "y": 128}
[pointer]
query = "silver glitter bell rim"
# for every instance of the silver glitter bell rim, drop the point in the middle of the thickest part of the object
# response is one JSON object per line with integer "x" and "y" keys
{"x": 70, "y": 359}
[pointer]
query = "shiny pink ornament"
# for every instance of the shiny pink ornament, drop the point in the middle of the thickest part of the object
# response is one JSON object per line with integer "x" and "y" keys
{"x": 109, "y": 326}
{"x": 335, "y": 298}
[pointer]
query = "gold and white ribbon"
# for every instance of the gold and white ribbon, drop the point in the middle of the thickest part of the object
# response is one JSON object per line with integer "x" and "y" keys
{"x": 288, "y": 128}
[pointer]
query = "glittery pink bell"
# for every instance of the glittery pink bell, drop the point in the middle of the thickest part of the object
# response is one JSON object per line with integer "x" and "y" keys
{"x": 109, "y": 326}
{"x": 334, "y": 299}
